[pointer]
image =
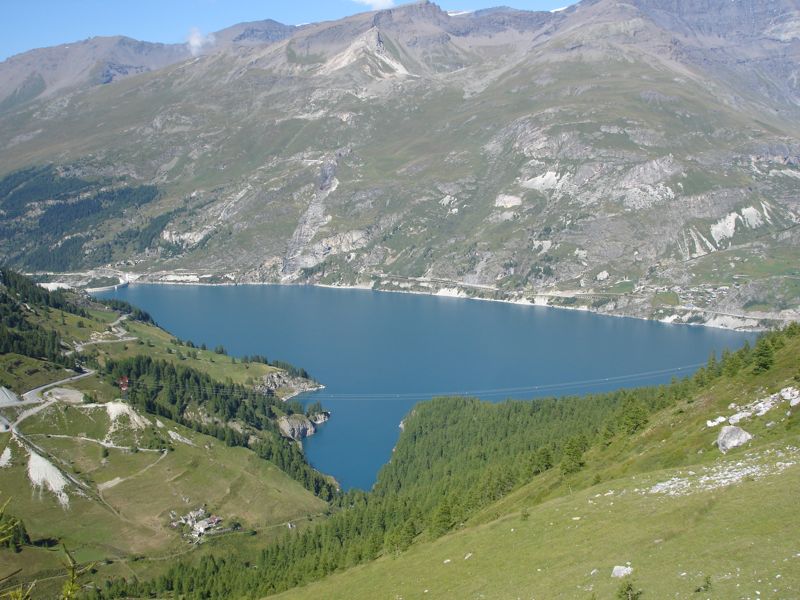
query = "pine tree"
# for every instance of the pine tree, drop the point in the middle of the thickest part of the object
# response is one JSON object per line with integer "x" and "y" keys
{"x": 763, "y": 356}
{"x": 572, "y": 459}
{"x": 633, "y": 415}
{"x": 441, "y": 522}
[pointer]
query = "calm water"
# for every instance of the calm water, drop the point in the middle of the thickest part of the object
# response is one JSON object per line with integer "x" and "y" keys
{"x": 380, "y": 353}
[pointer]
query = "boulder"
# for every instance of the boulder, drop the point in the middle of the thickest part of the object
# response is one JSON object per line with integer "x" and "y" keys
{"x": 732, "y": 437}
{"x": 620, "y": 572}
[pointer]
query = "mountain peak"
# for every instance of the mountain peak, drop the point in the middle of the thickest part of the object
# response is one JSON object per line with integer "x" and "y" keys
{"x": 411, "y": 13}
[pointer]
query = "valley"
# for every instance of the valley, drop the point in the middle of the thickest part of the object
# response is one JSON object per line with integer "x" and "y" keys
{"x": 609, "y": 157}
{"x": 238, "y": 353}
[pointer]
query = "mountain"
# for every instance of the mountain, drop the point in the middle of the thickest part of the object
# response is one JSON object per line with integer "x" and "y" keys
{"x": 633, "y": 158}
{"x": 47, "y": 72}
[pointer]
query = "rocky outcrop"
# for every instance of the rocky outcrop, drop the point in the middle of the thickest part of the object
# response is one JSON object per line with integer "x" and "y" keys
{"x": 320, "y": 418}
{"x": 298, "y": 427}
{"x": 285, "y": 386}
{"x": 731, "y": 437}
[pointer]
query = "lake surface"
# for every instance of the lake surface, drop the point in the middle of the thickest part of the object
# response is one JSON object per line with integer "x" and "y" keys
{"x": 380, "y": 353}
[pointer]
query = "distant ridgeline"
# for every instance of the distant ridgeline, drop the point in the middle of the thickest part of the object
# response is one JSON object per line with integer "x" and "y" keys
{"x": 51, "y": 219}
{"x": 30, "y": 315}
{"x": 455, "y": 457}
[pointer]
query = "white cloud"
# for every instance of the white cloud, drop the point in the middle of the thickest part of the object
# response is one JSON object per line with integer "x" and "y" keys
{"x": 376, "y": 4}
{"x": 196, "y": 41}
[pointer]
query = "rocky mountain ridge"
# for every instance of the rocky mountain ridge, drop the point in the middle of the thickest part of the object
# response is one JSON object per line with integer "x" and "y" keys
{"x": 632, "y": 158}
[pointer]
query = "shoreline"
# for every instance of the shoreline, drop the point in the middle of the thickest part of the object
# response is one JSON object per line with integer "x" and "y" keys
{"x": 751, "y": 325}
{"x": 301, "y": 392}
{"x": 677, "y": 315}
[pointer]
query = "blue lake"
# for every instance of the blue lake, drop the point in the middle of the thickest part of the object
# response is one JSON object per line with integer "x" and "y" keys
{"x": 380, "y": 353}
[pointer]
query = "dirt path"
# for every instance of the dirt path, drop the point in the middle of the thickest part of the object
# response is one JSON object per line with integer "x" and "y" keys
{"x": 121, "y": 336}
{"x": 35, "y": 395}
{"x": 94, "y": 441}
{"x": 101, "y": 487}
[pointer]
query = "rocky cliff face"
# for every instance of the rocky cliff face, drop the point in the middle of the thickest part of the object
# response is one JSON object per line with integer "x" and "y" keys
{"x": 298, "y": 427}
{"x": 634, "y": 158}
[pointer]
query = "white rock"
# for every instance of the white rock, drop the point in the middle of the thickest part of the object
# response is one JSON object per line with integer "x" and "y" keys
{"x": 117, "y": 409}
{"x": 715, "y": 422}
{"x": 545, "y": 181}
{"x": 507, "y": 201}
{"x": 179, "y": 438}
{"x": 752, "y": 217}
{"x": 732, "y": 437}
{"x": 620, "y": 571}
{"x": 791, "y": 395}
{"x": 602, "y": 276}
{"x": 5, "y": 457}
{"x": 42, "y": 473}
{"x": 734, "y": 419}
{"x": 725, "y": 227}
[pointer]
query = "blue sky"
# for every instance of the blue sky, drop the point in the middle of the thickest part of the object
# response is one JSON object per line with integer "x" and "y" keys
{"x": 27, "y": 24}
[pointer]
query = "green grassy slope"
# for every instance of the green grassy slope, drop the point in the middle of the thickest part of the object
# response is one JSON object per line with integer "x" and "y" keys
{"x": 124, "y": 510}
{"x": 730, "y": 518}
{"x": 743, "y": 538}
{"x": 123, "y": 472}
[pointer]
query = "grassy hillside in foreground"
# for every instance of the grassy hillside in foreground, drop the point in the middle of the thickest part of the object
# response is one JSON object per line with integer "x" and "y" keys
{"x": 120, "y": 507}
{"x": 743, "y": 538}
{"x": 664, "y": 500}
{"x": 462, "y": 465}
{"x": 83, "y": 468}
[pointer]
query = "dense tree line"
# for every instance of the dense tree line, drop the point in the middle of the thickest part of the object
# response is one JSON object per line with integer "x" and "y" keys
{"x": 24, "y": 289}
{"x": 19, "y": 336}
{"x": 456, "y": 456}
{"x": 176, "y": 392}
{"x": 35, "y": 184}
{"x": 127, "y": 308}
{"x": 290, "y": 369}
{"x": 64, "y": 204}
{"x": 66, "y": 255}
{"x": 166, "y": 389}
